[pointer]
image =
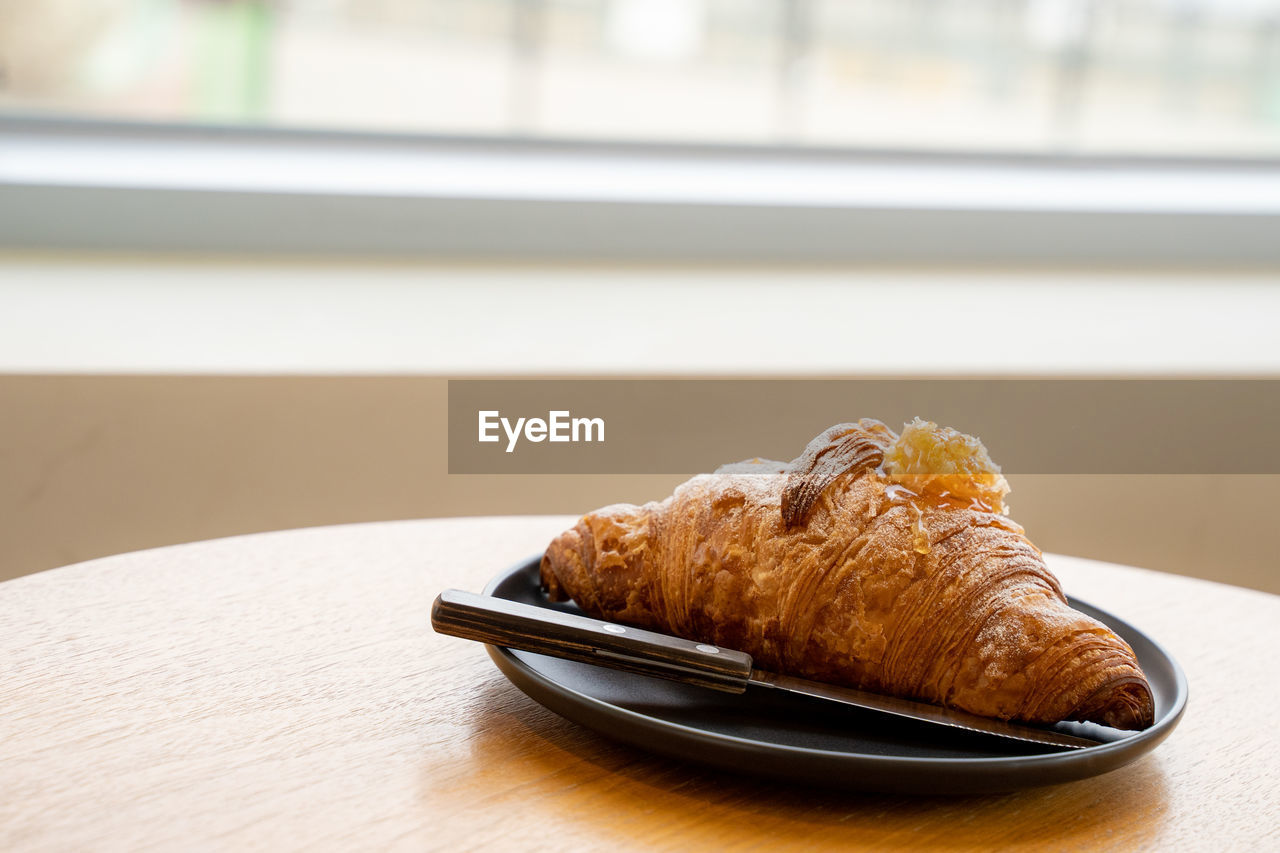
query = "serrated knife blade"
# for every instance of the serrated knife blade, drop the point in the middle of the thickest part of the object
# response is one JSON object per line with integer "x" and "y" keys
{"x": 916, "y": 710}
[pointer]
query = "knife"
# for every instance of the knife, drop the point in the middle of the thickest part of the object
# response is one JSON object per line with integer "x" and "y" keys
{"x": 501, "y": 622}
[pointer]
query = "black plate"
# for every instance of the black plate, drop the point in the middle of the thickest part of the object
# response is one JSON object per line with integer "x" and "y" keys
{"x": 797, "y": 739}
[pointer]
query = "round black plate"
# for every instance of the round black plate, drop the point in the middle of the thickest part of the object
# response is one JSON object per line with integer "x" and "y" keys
{"x": 796, "y": 739}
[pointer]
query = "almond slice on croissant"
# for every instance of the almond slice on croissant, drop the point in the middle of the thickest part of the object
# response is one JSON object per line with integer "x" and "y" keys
{"x": 873, "y": 560}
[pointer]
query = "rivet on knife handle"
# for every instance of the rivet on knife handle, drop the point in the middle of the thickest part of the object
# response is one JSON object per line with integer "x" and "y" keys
{"x": 565, "y": 635}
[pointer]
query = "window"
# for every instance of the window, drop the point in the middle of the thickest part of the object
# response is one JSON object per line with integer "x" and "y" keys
{"x": 1185, "y": 77}
{"x": 938, "y": 131}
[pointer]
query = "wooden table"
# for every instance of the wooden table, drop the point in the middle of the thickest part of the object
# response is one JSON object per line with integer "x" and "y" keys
{"x": 285, "y": 690}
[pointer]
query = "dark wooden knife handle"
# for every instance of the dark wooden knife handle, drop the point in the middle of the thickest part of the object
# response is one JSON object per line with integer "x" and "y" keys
{"x": 565, "y": 635}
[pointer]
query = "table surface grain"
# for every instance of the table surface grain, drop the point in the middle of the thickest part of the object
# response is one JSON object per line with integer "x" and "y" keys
{"x": 285, "y": 690}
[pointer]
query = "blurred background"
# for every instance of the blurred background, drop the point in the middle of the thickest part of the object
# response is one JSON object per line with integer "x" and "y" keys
{"x": 1145, "y": 76}
{"x": 244, "y": 243}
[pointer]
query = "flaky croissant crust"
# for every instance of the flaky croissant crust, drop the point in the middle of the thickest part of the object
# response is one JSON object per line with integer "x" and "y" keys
{"x": 820, "y": 568}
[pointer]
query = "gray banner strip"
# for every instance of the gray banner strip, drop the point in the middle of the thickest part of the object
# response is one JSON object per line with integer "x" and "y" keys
{"x": 1058, "y": 426}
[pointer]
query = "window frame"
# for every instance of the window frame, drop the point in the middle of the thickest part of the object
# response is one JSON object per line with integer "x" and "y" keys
{"x": 89, "y": 184}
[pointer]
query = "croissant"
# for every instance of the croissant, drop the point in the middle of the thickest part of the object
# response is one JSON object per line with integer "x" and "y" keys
{"x": 873, "y": 560}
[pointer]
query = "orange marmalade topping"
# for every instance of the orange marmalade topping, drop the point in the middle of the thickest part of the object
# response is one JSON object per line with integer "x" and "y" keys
{"x": 946, "y": 465}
